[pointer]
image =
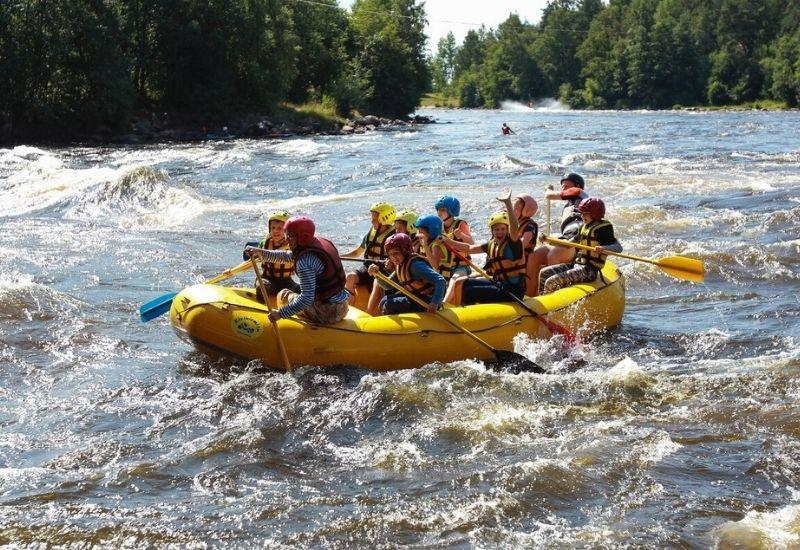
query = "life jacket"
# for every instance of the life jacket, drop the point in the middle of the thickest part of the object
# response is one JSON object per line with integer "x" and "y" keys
{"x": 331, "y": 281}
{"x": 374, "y": 249}
{"x": 527, "y": 224}
{"x": 589, "y": 237}
{"x": 571, "y": 220}
{"x": 451, "y": 234}
{"x": 273, "y": 270}
{"x": 418, "y": 287}
{"x": 501, "y": 262}
{"x": 415, "y": 246}
{"x": 447, "y": 262}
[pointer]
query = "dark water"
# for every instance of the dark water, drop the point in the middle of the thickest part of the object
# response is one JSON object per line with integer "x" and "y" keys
{"x": 681, "y": 429}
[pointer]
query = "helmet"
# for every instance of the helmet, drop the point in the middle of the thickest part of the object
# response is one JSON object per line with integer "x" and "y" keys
{"x": 594, "y": 207}
{"x": 529, "y": 206}
{"x": 450, "y": 204}
{"x": 400, "y": 241}
{"x": 498, "y": 217}
{"x": 431, "y": 224}
{"x": 410, "y": 217}
{"x": 280, "y": 215}
{"x": 302, "y": 227}
{"x": 386, "y": 212}
{"x": 574, "y": 178}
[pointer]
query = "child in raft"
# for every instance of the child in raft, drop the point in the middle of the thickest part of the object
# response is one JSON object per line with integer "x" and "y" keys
{"x": 505, "y": 262}
{"x": 414, "y": 273}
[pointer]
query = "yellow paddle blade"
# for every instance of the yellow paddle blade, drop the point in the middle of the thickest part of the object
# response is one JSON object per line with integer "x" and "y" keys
{"x": 688, "y": 269}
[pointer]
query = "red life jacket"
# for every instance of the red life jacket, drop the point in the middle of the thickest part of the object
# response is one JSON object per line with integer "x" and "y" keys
{"x": 331, "y": 281}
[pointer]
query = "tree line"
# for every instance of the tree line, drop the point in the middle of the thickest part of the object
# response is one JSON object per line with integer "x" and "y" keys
{"x": 70, "y": 66}
{"x": 630, "y": 54}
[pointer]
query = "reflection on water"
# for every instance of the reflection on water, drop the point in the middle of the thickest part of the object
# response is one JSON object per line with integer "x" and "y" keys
{"x": 678, "y": 429}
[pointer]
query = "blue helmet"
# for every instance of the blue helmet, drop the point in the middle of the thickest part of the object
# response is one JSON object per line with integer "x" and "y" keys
{"x": 449, "y": 203}
{"x": 431, "y": 224}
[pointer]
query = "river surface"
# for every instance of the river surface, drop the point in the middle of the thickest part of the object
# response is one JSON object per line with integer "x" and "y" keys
{"x": 678, "y": 429}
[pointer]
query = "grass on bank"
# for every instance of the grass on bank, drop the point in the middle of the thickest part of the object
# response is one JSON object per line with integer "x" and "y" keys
{"x": 765, "y": 104}
{"x": 439, "y": 100}
{"x": 322, "y": 112}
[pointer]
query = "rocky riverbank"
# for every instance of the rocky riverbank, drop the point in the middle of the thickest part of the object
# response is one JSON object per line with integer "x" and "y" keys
{"x": 159, "y": 128}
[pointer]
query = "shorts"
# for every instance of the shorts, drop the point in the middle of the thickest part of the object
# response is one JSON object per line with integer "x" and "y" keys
{"x": 364, "y": 278}
{"x": 463, "y": 270}
{"x": 324, "y": 313}
{"x": 276, "y": 285}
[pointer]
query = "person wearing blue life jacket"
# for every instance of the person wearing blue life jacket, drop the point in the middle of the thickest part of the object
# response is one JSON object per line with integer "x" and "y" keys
{"x": 277, "y": 275}
{"x": 414, "y": 273}
{"x": 596, "y": 232}
{"x": 505, "y": 262}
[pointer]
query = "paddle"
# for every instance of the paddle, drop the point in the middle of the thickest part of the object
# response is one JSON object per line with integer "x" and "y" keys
{"x": 681, "y": 267}
{"x": 516, "y": 362}
{"x": 287, "y": 366}
{"x": 159, "y": 306}
{"x": 569, "y": 337}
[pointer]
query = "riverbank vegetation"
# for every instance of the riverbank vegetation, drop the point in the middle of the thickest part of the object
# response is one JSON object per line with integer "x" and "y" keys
{"x": 76, "y": 67}
{"x": 631, "y": 54}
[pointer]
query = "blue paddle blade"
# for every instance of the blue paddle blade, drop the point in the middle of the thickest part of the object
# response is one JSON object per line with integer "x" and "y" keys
{"x": 157, "y": 307}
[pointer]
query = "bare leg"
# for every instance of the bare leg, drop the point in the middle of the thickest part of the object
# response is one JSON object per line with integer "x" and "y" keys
{"x": 453, "y": 294}
{"x": 536, "y": 260}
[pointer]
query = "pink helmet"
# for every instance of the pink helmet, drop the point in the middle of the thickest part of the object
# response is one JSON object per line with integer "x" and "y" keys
{"x": 529, "y": 205}
{"x": 400, "y": 241}
{"x": 302, "y": 227}
{"x": 594, "y": 207}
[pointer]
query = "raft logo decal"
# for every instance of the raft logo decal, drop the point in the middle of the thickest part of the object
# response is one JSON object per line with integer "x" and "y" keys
{"x": 246, "y": 326}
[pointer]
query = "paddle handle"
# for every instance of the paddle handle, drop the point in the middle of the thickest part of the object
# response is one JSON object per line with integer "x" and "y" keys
{"x": 244, "y": 266}
{"x": 281, "y": 348}
{"x": 549, "y": 202}
{"x": 560, "y": 242}
{"x": 552, "y": 326}
{"x": 407, "y": 294}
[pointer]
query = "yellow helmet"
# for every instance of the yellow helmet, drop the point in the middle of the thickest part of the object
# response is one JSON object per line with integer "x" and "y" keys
{"x": 280, "y": 215}
{"x": 498, "y": 217}
{"x": 410, "y": 217}
{"x": 386, "y": 212}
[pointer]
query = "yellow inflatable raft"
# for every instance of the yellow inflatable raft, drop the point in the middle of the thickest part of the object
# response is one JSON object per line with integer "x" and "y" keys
{"x": 230, "y": 320}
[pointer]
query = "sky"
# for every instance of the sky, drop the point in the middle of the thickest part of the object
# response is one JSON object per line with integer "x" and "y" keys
{"x": 459, "y": 16}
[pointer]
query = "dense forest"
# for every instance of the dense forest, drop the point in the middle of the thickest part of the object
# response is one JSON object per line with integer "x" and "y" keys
{"x": 630, "y": 54}
{"x": 70, "y": 66}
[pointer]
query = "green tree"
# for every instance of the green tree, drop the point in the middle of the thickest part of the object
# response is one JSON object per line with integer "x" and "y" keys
{"x": 391, "y": 40}
{"x": 602, "y": 55}
{"x": 509, "y": 70}
{"x": 443, "y": 64}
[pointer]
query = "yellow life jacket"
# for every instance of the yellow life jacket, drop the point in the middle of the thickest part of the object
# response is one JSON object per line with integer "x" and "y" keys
{"x": 588, "y": 237}
{"x": 419, "y": 287}
{"x": 501, "y": 264}
{"x": 374, "y": 249}
{"x": 451, "y": 233}
{"x": 447, "y": 262}
{"x": 275, "y": 270}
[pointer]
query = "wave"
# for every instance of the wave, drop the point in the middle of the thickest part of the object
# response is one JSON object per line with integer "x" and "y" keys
{"x": 776, "y": 529}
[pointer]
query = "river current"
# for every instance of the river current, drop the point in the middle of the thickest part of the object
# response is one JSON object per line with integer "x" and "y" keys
{"x": 678, "y": 429}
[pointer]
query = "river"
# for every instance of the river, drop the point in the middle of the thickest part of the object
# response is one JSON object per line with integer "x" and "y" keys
{"x": 680, "y": 428}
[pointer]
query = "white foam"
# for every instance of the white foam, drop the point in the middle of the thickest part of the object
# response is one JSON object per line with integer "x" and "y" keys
{"x": 778, "y": 529}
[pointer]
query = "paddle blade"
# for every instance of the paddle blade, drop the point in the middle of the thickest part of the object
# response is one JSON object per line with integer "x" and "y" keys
{"x": 688, "y": 269}
{"x": 516, "y": 363}
{"x": 156, "y": 308}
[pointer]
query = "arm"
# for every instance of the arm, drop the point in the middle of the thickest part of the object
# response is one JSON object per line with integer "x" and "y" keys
{"x": 419, "y": 270}
{"x": 513, "y": 224}
{"x": 273, "y": 256}
{"x": 463, "y": 233}
{"x": 308, "y": 268}
{"x": 461, "y": 247}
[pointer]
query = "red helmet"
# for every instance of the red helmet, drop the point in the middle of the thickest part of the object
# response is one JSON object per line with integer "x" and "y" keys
{"x": 400, "y": 241}
{"x": 529, "y": 205}
{"x": 302, "y": 228}
{"x": 594, "y": 207}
